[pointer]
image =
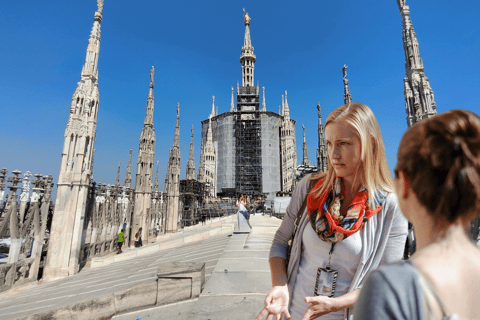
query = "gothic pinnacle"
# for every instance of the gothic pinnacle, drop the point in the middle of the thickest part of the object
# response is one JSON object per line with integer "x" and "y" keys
{"x": 150, "y": 101}
{"x": 347, "y": 97}
{"x": 212, "y": 114}
{"x": 155, "y": 186}
{"x": 128, "y": 174}
{"x": 232, "y": 105}
{"x": 177, "y": 128}
{"x": 117, "y": 182}
{"x": 264, "y": 105}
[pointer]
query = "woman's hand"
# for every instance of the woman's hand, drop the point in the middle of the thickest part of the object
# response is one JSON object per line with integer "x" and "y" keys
{"x": 276, "y": 303}
{"x": 319, "y": 306}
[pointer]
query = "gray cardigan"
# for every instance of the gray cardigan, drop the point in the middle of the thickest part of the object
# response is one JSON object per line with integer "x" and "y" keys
{"x": 383, "y": 238}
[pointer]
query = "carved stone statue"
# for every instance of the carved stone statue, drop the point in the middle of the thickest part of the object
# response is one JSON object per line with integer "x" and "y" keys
{"x": 100, "y": 6}
{"x": 152, "y": 73}
{"x": 246, "y": 16}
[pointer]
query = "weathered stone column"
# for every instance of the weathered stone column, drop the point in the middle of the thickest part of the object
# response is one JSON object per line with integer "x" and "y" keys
{"x": 16, "y": 242}
{"x": 3, "y": 173}
{"x": 25, "y": 195}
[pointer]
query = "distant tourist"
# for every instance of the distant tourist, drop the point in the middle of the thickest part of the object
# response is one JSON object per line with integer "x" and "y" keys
{"x": 203, "y": 217}
{"x": 242, "y": 210}
{"x": 157, "y": 229}
{"x": 138, "y": 238}
{"x": 437, "y": 179}
{"x": 121, "y": 237}
{"x": 340, "y": 224}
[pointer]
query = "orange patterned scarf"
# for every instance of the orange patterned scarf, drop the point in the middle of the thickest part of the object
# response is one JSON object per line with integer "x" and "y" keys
{"x": 324, "y": 211}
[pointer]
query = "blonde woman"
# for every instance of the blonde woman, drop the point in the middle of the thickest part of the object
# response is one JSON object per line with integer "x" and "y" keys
{"x": 437, "y": 179}
{"x": 351, "y": 224}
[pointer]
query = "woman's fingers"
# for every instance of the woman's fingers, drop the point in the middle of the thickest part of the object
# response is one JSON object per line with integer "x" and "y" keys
{"x": 262, "y": 314}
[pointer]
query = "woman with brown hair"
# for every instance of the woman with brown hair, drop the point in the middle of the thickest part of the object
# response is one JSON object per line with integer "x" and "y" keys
{"x": 437, "y": 179}
{"x": 346, "y": 226}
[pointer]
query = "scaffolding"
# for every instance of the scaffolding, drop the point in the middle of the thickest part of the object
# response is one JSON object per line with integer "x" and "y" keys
{"x": 248, "y": 133}
{"x": 192, "y": 195}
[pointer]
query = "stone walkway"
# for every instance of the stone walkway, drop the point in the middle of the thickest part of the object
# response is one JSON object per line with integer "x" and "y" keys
{"x": 93, "y": 282}
{"x": 237, "y": 278}
{"x": 238, "y": 283}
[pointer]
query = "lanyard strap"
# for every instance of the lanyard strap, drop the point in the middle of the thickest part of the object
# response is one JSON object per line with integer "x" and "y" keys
{"x": 330, "y": 254}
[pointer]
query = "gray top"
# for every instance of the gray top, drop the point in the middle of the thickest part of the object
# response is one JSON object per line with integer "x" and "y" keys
{"x": 383, "y": 239}
{"x": 396, "y": 292}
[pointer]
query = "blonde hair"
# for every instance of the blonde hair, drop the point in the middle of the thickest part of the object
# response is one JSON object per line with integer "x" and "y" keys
{"x": 374, "y": 166}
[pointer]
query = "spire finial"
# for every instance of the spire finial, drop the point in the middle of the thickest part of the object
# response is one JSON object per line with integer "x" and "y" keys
{"x": 232, "y": 105}
{"x": 246, "y": 17}
{"x": 264, "y": 105}
{"x": 100, "y": 6}
{"x": 155, "y": 186}
{"x": 176, "y": 142}
{"x": 152, "y": 74}
{"x": 347, "y": 97}
{"x": 283, "y": 104}
{"x": 128, "y": 174}
{"x": 286, "y": 110}
{"x": 212, "y": 114}
{"x": 117, "y": 182}
{"x": 305, "y": 161}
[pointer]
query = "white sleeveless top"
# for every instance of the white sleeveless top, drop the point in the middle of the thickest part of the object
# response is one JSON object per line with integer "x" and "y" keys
{"x": 345, "y": 259}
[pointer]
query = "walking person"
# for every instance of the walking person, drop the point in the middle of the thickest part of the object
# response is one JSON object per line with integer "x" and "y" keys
{"x": 437, "y": 179}
{"x": 157, "y": 229}
{"x": 138, "y": 238}
{"x": 121, "y": 239}
{"x": 340, "y": 224}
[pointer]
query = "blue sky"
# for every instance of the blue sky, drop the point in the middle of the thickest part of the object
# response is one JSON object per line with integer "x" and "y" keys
{"x": 195, "y": 47}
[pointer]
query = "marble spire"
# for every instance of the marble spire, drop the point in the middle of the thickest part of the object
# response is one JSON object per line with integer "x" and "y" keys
{"x": 128, "y": 174}
{"x": 176, "y": 141}
{"x": 212, "y": 114}
{"x": 232, "y": 104}
{"x": 172, "y": 180}
{"x": 117, "y": 181}
{"x": 419, "y": 97}
{"x": 322, "y": 160}
{"x": 264, "y": 105}
{"x": 305, "y": 161}
{"x": 76, "y": 168}
{"x": 283, "y": 104}
{"x": 145, "y": 161}
{"x": 209, "y": 161}
{"x": 286, "y": 109}
{"x": 190, "y": 174}
{"x": 150, "y": 101}
{"x": 247, "y": 58}
{"x": 155, "y": 186}
{"x": 347, "y": 97}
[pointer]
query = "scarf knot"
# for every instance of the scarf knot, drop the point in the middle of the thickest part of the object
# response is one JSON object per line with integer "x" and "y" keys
{"x": 325, "y": 217}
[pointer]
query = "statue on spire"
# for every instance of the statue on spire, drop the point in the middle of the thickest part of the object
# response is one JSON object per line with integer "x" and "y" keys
{"x": 152, "y": 74}
{"x": 100, "y": 6}
{"x": 246, "y": 17}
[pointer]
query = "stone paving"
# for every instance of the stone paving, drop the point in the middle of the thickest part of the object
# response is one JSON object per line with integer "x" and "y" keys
{"x": 238, "y": 283}
{"x": 237, "y": 278}
{"x": 100, "y": 281}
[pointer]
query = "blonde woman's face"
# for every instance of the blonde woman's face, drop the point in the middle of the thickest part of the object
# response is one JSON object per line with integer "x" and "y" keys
{"x": 344, "y": 149}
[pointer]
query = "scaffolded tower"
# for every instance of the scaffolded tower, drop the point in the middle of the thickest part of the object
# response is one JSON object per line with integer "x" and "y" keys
{"x": 419, "y": 98}
{"x": 247, "y": 140}
{"x": 145, "y": 160}
{"x": 248, "y": 165}
{"x": 76, "y": 167}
